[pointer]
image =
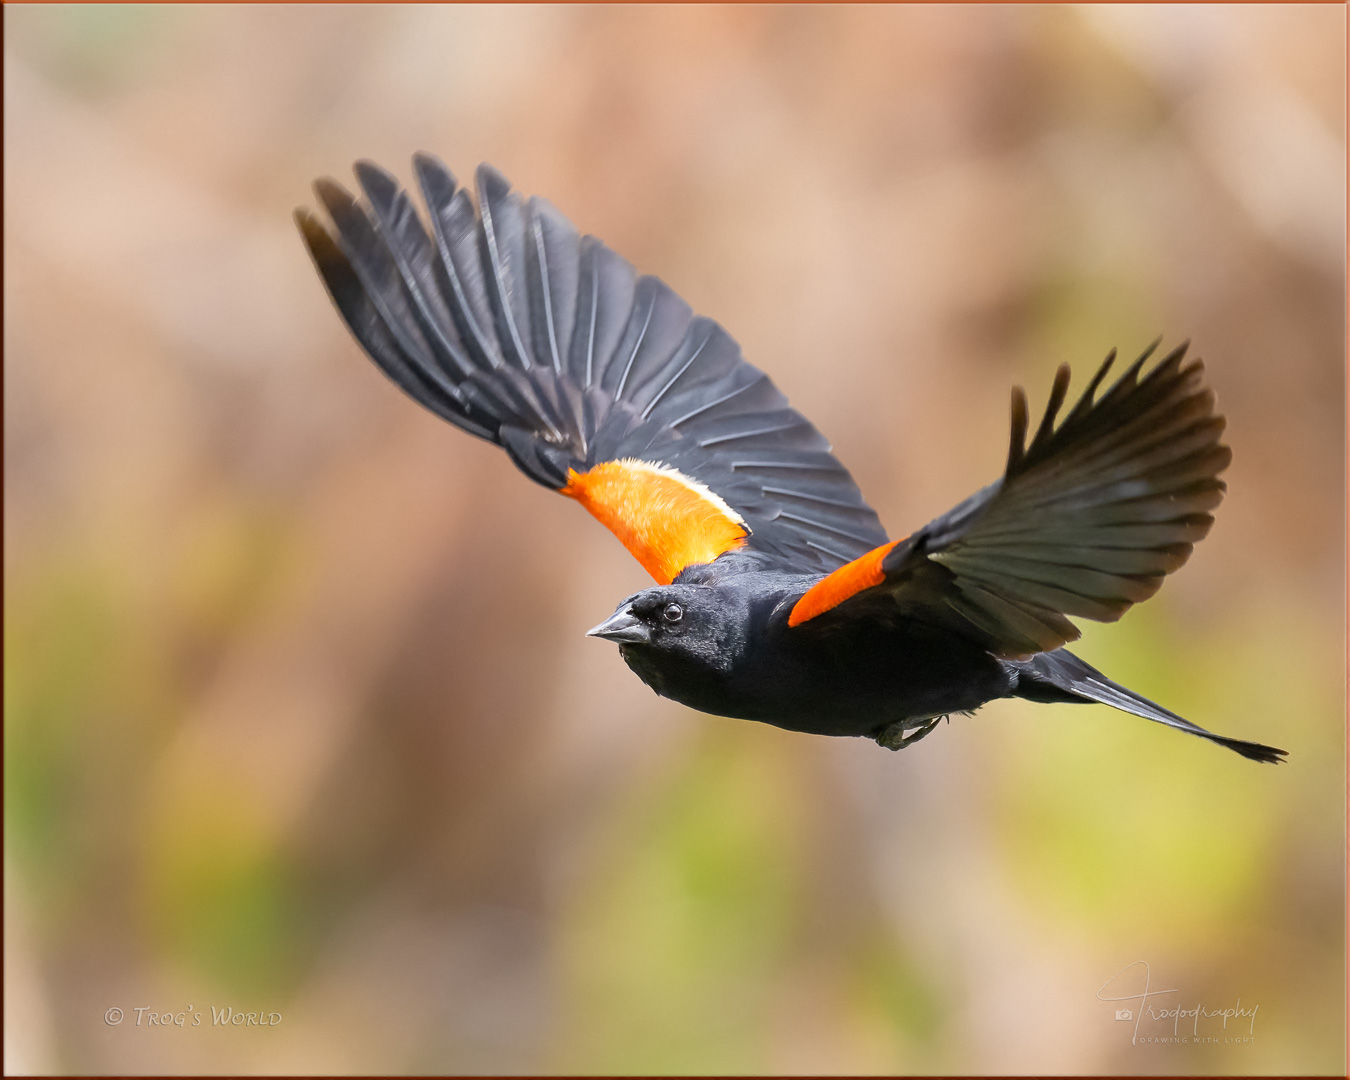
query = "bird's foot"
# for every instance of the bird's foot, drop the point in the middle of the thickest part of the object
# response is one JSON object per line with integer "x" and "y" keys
{"x": 894, "y": 737}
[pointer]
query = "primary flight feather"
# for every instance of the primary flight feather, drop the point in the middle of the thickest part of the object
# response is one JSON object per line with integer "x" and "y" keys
{"x": 779, "y": 596}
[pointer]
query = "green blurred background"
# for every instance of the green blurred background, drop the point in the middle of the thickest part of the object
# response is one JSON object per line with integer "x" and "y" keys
{"x": 299, "y": 713}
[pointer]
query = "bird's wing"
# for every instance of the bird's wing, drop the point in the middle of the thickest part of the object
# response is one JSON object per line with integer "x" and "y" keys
{"x": 1087, "y": 520}
{"x": 600, "y": 384}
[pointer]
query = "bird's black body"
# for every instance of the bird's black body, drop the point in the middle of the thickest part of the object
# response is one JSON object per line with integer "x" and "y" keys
{"x": 824, "y": 679}
{"x": 779, "y": 597}
{"x": 734, "y": 654}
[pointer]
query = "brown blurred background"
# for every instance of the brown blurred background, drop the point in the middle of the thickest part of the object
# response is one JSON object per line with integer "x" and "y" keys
{"x": 299, "y": 714}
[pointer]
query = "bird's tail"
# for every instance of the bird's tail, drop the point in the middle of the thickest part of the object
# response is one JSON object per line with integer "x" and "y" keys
{"x": 1060, "y": 676}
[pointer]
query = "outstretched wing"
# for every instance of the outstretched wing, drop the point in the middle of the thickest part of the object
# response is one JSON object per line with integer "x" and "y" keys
{"x": 1086, "y": 521}
{"x": 600, "y": 384}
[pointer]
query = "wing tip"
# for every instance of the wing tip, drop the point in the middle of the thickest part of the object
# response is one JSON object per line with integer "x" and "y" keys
{"x": 322, "y": 246}
{"x": 491, "y": 184}
{"x": 379, "y": 184}
{"x": 425, "y": 159}
{"x": 1017, "y": 440}
{"x": 306, "y": 221}
{"x": 437, "y": 182}
{"x": 334, "y": 198}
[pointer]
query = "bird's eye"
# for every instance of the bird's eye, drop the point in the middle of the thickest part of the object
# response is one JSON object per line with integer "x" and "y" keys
{"x": 673, "y": 613}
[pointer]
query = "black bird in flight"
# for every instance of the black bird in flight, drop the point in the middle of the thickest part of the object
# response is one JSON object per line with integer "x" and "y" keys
{"x": 779, "y": 597}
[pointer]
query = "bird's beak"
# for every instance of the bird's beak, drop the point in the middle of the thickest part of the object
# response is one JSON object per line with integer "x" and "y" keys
{"x": 624, "y": 627}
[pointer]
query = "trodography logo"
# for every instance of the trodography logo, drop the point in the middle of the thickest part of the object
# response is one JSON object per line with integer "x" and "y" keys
{"x": 1161, "y": 1016}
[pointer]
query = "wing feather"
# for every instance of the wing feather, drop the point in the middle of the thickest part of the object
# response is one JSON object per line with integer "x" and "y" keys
{"x": 1088, "y": 519}
{"x": 599, "y": 383}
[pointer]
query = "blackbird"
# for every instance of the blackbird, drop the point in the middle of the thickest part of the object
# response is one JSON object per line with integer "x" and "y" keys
{"x": 779, "y": 596}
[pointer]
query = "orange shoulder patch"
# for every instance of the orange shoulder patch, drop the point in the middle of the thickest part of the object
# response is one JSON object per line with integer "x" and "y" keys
{"x": 833, "y": 589}
{"x": 666, "y": 519}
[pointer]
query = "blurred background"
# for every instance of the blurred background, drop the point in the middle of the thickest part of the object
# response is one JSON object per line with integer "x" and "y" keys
{"x": 300, "y": 719}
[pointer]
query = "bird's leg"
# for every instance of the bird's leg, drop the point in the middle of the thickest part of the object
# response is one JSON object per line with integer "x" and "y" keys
{"x": 894, "y": 737}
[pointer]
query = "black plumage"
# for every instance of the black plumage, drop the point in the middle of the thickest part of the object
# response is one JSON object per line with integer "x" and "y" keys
{"x": 780, "y": 598}
{"x": 516, "y": 329}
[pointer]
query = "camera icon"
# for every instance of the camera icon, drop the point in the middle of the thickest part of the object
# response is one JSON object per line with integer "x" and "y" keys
{"x": 1124, "y": 1014}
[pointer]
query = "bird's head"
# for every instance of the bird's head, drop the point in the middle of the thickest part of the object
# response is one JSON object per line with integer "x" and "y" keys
{"x": 700, "y": 624}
